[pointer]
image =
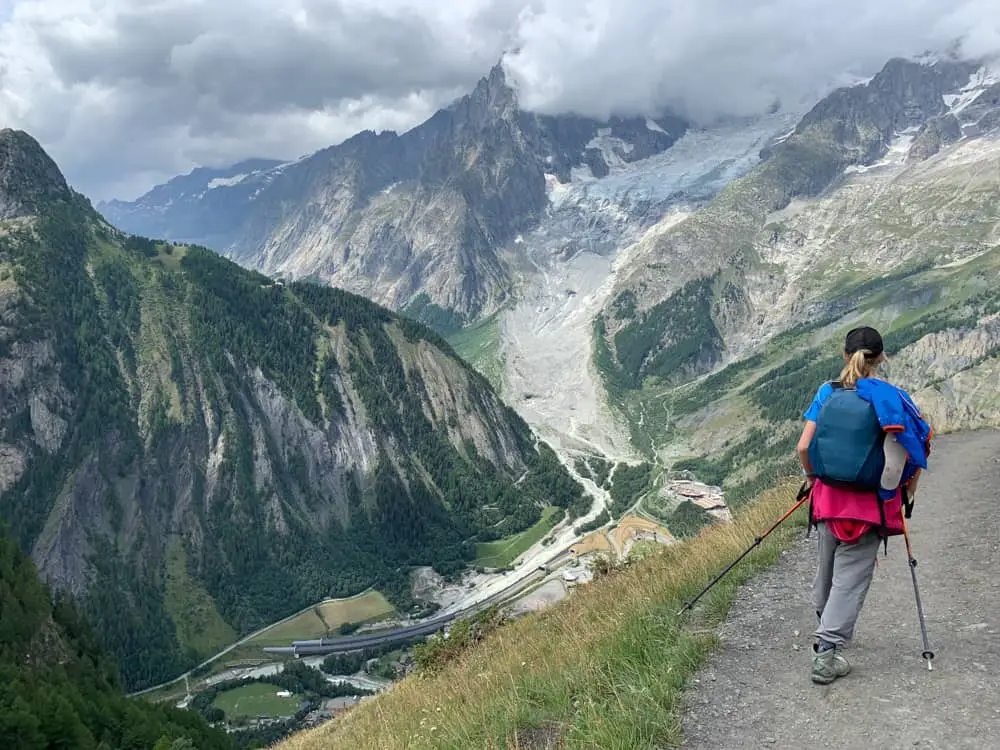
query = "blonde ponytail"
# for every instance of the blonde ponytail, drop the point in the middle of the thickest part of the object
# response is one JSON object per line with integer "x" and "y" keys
{"x": 860, "y": 365}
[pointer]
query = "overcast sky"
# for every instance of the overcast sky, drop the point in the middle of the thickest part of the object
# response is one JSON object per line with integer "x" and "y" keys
{"x": 126, "y": 93}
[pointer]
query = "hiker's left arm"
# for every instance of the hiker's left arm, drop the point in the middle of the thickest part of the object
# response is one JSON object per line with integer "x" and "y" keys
{"x": 803, "y": 449}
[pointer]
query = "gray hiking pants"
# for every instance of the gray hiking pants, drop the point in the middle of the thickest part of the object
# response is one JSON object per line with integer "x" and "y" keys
{"x": 843, "y": 575}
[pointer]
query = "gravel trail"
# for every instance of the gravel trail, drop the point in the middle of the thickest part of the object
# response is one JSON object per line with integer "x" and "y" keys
{"x": 756, "y": 692}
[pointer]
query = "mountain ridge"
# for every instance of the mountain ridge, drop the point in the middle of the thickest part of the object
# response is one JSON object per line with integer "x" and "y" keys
{"x": 296, "y": 441}
{"x": 432, "y": 211}
{"x": 60, "y": 689}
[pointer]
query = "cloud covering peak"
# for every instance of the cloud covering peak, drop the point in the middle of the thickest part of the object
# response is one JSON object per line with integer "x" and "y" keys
{"x": 705, "y": 58}
{"x": 125, "y": 93}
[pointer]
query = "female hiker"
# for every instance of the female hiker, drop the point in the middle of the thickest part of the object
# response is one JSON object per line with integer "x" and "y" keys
{"x": 863, "y": 441}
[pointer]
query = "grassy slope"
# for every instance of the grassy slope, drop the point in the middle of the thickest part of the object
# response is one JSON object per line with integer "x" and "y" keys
{"x": 200, "y": 627}
{"x": 503, "y": 552}
{"x": 604, "y": 668}
{"x": 479, "y": 345}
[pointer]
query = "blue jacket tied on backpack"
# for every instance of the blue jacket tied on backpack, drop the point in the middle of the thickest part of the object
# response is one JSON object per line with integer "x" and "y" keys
{"x": 895, "y": 413}
{"x": 898, "y": 414}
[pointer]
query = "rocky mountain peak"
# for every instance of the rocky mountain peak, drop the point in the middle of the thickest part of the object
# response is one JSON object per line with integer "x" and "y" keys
{"x": 346, "y": 214}
{"x": 901, "y": 96}
{"x": 492, "y": 99}
{"x": 29, "y": 179}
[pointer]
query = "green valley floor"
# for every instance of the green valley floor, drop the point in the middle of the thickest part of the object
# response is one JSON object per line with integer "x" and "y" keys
{"x": 756, "y": 693}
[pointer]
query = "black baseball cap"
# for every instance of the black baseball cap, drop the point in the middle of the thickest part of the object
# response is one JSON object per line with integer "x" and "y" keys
{"x": 863, "y": 338}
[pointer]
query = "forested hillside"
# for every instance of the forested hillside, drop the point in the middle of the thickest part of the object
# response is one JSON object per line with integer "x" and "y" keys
{"x": 59, "y": 690}
{"x": 194, "y": 451}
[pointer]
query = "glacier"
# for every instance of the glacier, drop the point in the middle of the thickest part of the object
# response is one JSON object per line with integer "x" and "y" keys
{"x": 591, "y": 230}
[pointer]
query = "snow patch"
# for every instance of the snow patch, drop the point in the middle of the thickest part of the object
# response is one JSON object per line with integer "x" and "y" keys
{"x": 930, "y": 59}
{"x": 899, "y": 148}
{"x": 236, "y": 179}
{"x": 651, "y": 125}
{"x": 556, "y": 190}
{"x": 986, "y": 76}
{"x": 611, "y": 149}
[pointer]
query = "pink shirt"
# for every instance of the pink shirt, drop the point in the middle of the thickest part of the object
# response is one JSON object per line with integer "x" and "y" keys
{"x": 850, "y": 513}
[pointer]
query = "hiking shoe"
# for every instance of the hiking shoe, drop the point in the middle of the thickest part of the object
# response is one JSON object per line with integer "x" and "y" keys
{"x": 828, "y": 666}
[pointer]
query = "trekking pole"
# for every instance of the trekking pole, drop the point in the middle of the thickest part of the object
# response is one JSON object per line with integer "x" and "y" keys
{"x": 800, "y": 498}
{"x": 927, "y": 654}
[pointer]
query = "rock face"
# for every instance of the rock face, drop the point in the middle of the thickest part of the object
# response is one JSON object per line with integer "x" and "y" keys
{"x": 288, "y": 442}
{"x": 28, "y": 177}
{"x": 933, "y": 135}
{"x": 433, "y": 211}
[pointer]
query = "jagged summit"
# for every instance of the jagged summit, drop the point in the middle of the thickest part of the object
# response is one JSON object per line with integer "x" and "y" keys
{"x": 29, "y": 179}
{"x": 428, "y": 217}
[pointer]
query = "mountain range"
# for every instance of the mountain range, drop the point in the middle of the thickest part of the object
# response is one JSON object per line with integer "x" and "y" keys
{"x": 676, "y": 279}
{"x": 878, "y": 207}
{"x": 192, "y": 450}
{"x": 427, "y": 219}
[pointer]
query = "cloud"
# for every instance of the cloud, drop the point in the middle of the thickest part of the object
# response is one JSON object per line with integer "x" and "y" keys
{"x": 706, "y": 58}
{"x": 126, "y": 93}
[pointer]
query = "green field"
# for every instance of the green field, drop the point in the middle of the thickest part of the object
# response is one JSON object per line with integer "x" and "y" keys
{"x": 503, "y": 552}
{"x": 259, "y": 699}
{"x": 324, "y": 619}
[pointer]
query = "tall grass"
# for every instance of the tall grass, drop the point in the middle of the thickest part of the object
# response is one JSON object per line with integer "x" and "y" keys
{"x": 605, "y": 668}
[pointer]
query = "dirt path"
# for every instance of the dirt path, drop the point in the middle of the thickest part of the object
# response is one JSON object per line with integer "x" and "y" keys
{"x": 756, "y": 692}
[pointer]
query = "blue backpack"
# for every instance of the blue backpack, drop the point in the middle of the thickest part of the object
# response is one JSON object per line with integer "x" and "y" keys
{"x": 847, "y": 449}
